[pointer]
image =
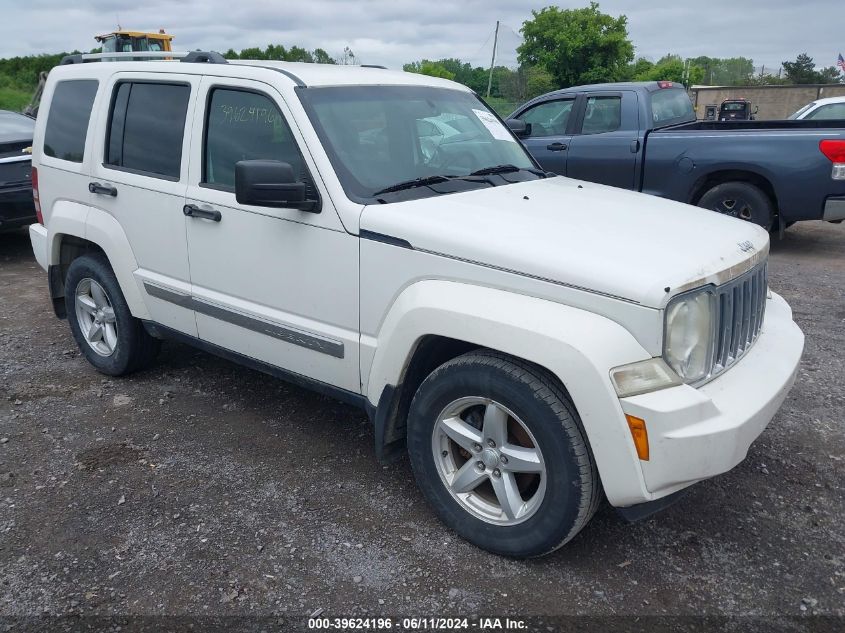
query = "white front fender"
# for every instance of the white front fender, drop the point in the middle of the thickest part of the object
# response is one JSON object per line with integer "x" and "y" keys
{"x": 578, "y": 347}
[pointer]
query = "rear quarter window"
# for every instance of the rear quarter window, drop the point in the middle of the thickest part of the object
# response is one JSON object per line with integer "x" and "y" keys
{"x": 671, "y": 105}
{"x": 67, "y": 122}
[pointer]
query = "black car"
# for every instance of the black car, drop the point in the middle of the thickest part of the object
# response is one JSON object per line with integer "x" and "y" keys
{"x": 16, "y": 206}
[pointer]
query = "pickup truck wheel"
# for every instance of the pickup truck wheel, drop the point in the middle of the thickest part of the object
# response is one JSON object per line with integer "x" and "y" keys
{"x": 740, "y": 200}
{"x": 498, "y": 450}
{"x": 111, "y": 339}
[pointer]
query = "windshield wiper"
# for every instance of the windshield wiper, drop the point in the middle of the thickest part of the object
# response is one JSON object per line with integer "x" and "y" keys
{"x": 507, "y": 169}
{"x": 416, "y": 182}
{"x": 475, "y": 176}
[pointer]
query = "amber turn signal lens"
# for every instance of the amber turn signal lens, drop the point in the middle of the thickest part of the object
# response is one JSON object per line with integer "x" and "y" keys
{"x": 639, "y": 434}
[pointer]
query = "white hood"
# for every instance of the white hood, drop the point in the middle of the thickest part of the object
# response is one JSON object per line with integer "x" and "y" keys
{"x": 593, "y": 237}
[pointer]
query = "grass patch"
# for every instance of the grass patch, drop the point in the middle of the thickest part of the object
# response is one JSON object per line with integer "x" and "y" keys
{"x": 14, "y": 99}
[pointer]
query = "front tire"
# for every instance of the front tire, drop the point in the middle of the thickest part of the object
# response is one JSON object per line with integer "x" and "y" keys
{"x": 107, "y": 334}
{"x": 498, "y": 450}
{"x": 740, "y": 200}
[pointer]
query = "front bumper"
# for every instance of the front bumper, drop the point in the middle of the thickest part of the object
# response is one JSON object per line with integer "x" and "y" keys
{"x": 697, "y": 433}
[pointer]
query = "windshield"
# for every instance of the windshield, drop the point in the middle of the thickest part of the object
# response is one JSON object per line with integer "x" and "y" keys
{"x": 110, "y": 44}
{"x": 412, "y": 140}
{"x": 798, "y": 113}
{"x": 736, "y": 106}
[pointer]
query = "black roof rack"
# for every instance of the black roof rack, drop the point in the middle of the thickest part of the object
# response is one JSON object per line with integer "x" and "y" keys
{"x": 373, "y": 66}
{"x": 204, "y": 57}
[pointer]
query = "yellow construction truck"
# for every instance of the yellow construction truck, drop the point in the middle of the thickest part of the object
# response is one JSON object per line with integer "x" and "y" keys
{"x": 122, "y": 41}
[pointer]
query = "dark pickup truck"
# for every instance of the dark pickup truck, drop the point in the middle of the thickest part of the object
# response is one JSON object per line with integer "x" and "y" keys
{"x": 644, "y": 136}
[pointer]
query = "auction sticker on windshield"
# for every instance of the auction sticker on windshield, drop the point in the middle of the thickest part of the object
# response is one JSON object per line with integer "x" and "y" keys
{"x": 495, "y": 126}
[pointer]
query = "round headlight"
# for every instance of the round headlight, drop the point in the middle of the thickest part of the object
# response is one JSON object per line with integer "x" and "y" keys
{"x": 688, "y": 344}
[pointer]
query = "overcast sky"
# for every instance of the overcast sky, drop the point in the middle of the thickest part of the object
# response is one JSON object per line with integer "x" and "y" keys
{"x": 392, "y": 32}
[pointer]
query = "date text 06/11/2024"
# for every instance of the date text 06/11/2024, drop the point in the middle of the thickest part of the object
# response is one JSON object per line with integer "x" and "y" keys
{"x": 416, "y": 624}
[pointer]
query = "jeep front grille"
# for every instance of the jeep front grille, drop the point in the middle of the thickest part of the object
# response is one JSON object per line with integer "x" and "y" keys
{"x": 740, "y": 308}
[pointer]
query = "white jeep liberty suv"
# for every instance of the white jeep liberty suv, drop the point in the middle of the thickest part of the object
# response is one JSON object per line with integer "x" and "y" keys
{"x": 537, "y": 343}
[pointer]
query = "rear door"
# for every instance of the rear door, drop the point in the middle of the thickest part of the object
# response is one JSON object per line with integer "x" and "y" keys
{"x": 606, "y": 146}
{"x": 548, "y": 140}
{"x": 140, "y": 175}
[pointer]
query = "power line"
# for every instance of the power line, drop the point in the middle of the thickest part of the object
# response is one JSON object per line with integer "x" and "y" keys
{"x": 480, "y": 48}
{"x": 518, "y": 36}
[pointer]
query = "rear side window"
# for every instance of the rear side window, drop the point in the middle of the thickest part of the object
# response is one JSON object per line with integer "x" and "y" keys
{"x": 671, "y": 106}
{"x": 67, "y": 123}
{"x": 603, "y": 114}
{"x": 146, "y": 128}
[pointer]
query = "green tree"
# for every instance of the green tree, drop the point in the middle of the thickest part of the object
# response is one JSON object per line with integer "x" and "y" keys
{"x": 538, "y": 81}
{"x": 251, "y": 53}
{"x": 277, "y": 52}
{"x": 802, "y": 70}
{"x": 728, "y": 71}
{"x": 577, "y": 46}
{"x": 671, "y": 68}
{"x": 463, "y": 72}
{"x": 639, "y": 68}
{"x": 322, "y": 57}
{"x": 830, "y": 75}
{"x": 299, "y": 54}
{"x": 525, "y": 83}
{"x": 735, "y": 71}
{"x": 430, "y": 68}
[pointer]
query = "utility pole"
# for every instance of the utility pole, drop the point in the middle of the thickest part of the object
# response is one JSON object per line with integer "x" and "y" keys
{"x": 493, "y": 60}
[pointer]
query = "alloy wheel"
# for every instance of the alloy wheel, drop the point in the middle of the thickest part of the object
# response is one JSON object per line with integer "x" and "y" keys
{"x": 489, "y": 461}
{"x": 96, "y": 318}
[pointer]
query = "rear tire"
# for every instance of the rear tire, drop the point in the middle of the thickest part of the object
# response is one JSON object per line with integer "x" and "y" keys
{"x": 740, "y": 200}
{"x": 107, "y": 334}
{"x": 524, "y": 492}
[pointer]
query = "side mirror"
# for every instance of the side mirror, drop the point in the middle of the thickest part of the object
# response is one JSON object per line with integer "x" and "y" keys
{"x": 756, "y": 109}
{"x": 271, "y": 183}
{"x": 519, "y": 127}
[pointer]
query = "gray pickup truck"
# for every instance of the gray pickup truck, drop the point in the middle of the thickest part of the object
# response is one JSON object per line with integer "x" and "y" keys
{"x": 644, "y": 136}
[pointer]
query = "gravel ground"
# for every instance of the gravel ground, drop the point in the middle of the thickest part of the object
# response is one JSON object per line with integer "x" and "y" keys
{"x": 199, "y": 487}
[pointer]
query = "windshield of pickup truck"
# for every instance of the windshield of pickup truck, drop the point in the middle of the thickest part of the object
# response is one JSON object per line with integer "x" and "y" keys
{"x": 670, "y": 106}
{"x": 391, "y": 143}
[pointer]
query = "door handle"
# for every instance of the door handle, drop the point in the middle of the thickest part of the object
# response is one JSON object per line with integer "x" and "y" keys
{"x": 556, "y": 147}
{"x": 193, "y": 211}
{"x": 635, "y": 146}
{"x": 106, "y": 190}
